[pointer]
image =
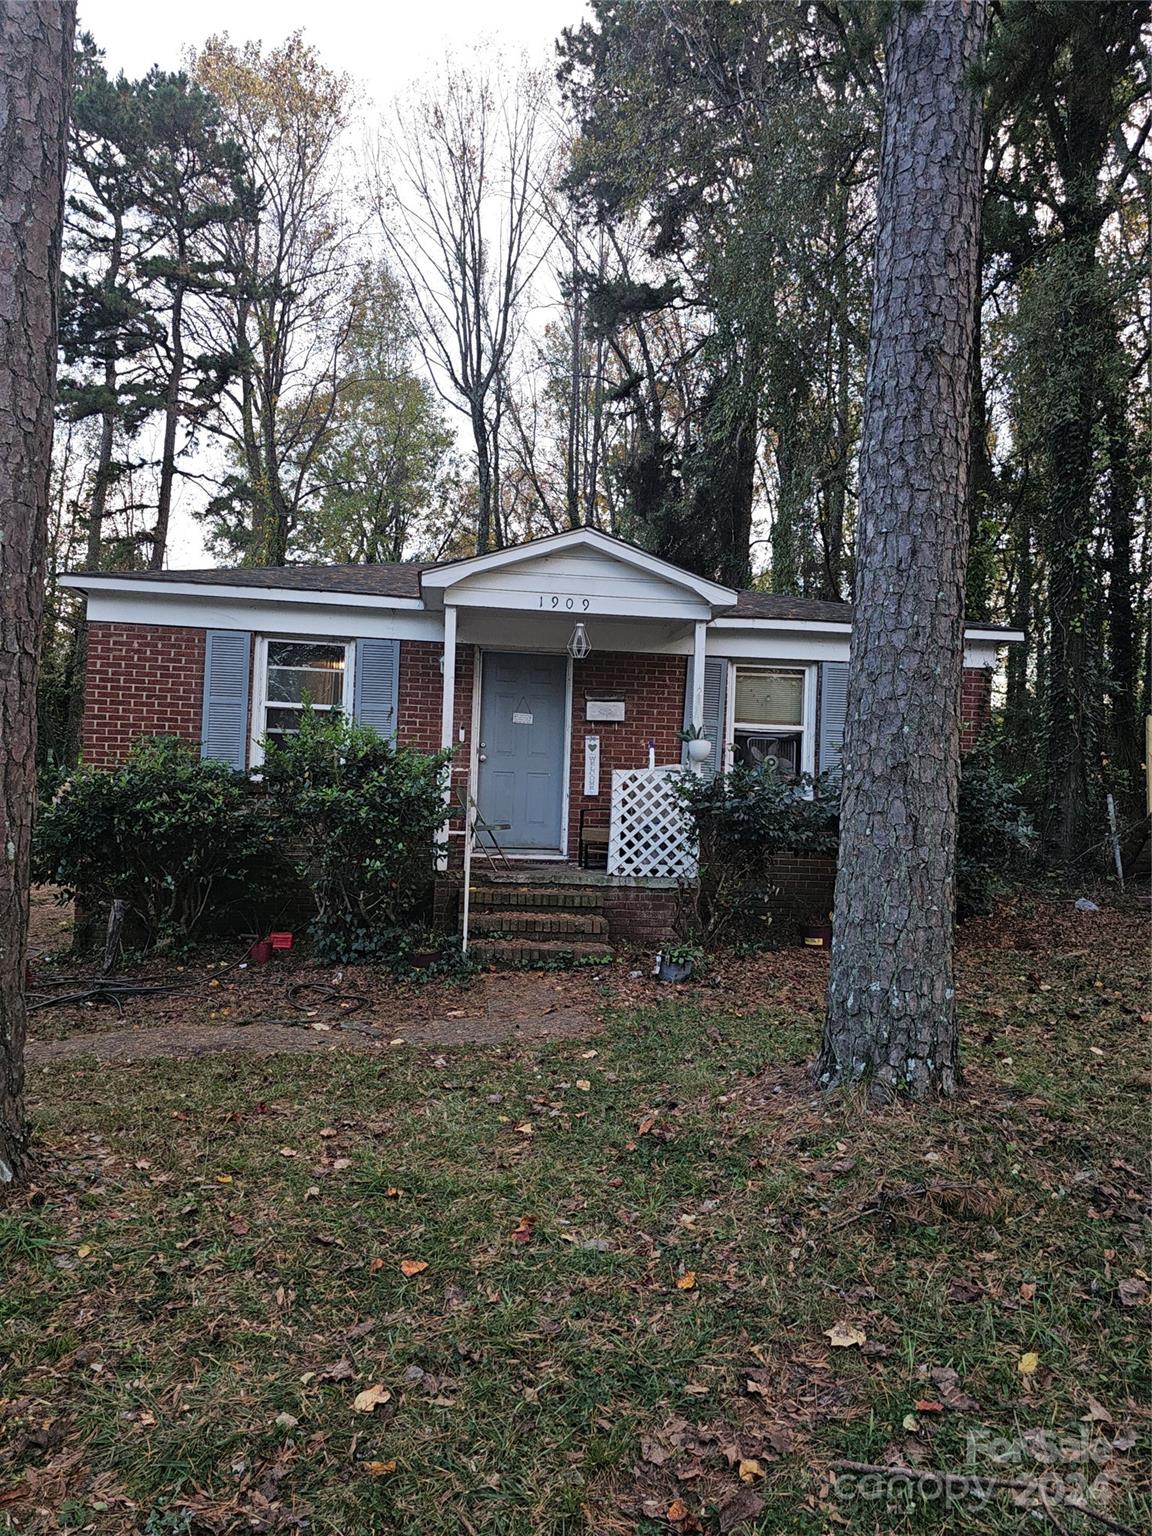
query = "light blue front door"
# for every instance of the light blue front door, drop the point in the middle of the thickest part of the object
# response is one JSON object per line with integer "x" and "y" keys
{"x": 522, "y": 740}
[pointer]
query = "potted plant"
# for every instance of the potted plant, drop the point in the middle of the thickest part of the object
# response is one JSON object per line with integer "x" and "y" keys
{"x": 699, "y": 747}
{"x": 678, "y": 962}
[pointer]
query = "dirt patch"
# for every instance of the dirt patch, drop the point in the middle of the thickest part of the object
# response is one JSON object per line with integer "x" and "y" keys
{"x": 498, "y": 1008}
{"x": 49, "y": 922}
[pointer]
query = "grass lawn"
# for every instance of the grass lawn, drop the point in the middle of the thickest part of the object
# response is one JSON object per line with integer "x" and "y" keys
{"x": 646, "y": 1282}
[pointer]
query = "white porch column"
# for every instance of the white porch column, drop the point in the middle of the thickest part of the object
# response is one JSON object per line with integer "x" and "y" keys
{"x": 448, "y": 698}
{"x": 698, "y": 642}
{"x": 447, "y": 719}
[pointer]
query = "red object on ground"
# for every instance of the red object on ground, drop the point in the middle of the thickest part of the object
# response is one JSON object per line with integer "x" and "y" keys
{"x": 261, "y": 952}
{"x": 280, "y": 940}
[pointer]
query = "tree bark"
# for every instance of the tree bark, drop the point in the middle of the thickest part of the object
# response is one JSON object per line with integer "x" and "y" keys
{"x": 35, "y": 81}
{"x": 891, "y": 1004}
{"x": 171, "y": 423}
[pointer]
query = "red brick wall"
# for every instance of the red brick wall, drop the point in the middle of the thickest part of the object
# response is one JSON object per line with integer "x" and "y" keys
{"x": 419, "y": 699}
{"x": 975, "y": 704}
{"x": 652, "y": 688}
{"x": 140, "y": 680}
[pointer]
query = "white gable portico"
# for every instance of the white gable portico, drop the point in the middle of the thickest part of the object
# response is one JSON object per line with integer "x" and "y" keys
{"x": 637, "y": 601}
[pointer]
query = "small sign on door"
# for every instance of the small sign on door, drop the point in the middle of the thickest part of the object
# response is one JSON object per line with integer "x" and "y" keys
{"x": 521, "y": 717}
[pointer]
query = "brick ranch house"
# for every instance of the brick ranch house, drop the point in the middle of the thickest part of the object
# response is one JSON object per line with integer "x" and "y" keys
{"x": 561, "y": 671}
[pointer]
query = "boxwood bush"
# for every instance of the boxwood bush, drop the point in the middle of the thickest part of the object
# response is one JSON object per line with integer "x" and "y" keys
{"x": 165, "y": 832}
{"x": 358, "y": 819}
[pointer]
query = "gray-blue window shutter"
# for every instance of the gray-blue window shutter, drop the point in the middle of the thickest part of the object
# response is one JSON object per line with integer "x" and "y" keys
{"x": 833, "y": 703}
{"x": 224, "y": 720}
{"x": 715, "y": 707}
{"x": 378, "y": 684}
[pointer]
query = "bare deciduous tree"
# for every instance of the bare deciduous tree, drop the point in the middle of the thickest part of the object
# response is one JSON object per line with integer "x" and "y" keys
{"x": 285, "y": 322}
{"x": 463, "y": 224}
{"x": 891, "y": 1000}
{"x": 35, "y": 83}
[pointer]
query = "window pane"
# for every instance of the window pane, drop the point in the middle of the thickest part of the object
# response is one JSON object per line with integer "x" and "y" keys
{"x": 782, "y": 751}
{"x": 770, "y": 698}
{"x": 278, "y": 722}
{"x": 290, "y": 685}
{"x": 305, "y": 653}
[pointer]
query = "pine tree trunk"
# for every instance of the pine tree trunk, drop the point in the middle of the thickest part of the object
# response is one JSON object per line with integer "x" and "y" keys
{"x": 891, "y": 1009}
{"x": 35, "y": 76}
{"x": 171, "y": 423}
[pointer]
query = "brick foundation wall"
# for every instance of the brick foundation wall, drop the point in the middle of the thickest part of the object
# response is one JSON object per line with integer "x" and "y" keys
{"x": 804, "y": 889}
{"x": 636, "y": 915}
{"x": 140, "y": 680}
{"x": 975, "y": 704}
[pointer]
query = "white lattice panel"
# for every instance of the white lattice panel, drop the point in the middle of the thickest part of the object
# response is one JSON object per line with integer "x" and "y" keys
{"x": 649, "y": 832}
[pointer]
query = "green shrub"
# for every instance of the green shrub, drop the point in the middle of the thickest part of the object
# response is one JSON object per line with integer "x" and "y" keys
{"x": 358, "y": 818}
{"x": 744, "y": 818}
{"x": 994, "y": 840}
{"x": 162, "y": 831}
{"x": 740, "y": 821}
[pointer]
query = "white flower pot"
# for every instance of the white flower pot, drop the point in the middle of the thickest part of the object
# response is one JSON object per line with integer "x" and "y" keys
{"x": 699, "y": 750}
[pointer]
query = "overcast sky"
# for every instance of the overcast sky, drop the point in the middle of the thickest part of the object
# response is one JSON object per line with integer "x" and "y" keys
{"x": 382, "y": 44}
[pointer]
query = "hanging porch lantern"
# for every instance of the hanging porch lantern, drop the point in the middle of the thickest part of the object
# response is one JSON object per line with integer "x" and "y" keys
{"x": 579, "y": 644}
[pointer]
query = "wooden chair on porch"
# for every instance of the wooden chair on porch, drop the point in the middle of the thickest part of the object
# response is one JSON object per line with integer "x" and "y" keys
{"x": 593, "y": 839}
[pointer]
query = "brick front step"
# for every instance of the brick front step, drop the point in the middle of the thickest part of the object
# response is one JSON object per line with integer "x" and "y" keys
{"x": 499, "y": 898}
{"x": 544, "y": 924}
{"x": 525, "y": 951}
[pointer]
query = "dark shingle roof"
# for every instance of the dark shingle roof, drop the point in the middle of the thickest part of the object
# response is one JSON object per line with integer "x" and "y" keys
{"x": 770, "y": 605}
{"x": 383, "y": 580}
{"x": 403, "y": 580}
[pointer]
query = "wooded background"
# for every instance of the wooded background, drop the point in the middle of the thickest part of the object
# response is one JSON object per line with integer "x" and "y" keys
{"x": 629, "y": 291}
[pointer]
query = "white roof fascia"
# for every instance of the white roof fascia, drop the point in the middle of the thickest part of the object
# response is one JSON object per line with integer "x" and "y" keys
{"x": 154, "y": 589}
{"x": 827, "y": 626}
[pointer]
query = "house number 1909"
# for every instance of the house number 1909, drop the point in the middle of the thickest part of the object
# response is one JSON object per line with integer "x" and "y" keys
{"x": 569, "y": 604}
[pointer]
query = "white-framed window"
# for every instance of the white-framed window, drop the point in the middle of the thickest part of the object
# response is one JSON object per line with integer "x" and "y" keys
{"x": 290, "y": 673}
{"x": 772, "y": 717}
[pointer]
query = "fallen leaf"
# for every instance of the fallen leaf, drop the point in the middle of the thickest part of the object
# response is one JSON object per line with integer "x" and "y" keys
{"x": 287, "y": 1420}
{"x": 962, "y": 1289}
{"x": 1132, "y": 1292}
{"x": 845, "y": 1335}
{"x": 375, "y": 1266}
{"x": 926, "y": 1405}
{"x": 523, "y": 1230}
{"x": 224, "y": 1178}
{"x": 687, "y": 1281}
{"x": 1027, "y": 1291}
{"x": 584, "y": 1085}
{"x": 743, "y": 1505}
{"x": 1097, "y": 1413}
{"x": 525, "y": 1128}
{"x": 410, "y": 1267}
{"x": 379, "y": 1468}
{"x": 371, "y": 1397}
{"x": 677, "y": 1510}
{"x": 750, "y": 1469}
{"x": 339, "y": 1370}
{"x": 1028, "y": 1363}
